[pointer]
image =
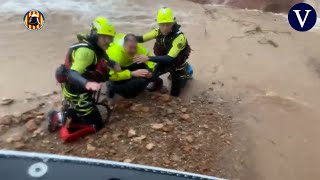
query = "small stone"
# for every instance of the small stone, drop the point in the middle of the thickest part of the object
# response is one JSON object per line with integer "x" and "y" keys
{"x": 175, "y": 158}
{"x": 31, "y": 125}
{"x": 90, "y": 147}
{"x": 168, "y": 128}
{"x": 170, "y": 111}
{"x": 166, "y": 161}
{"x": 157, "y": 126}
{"x": 127, "y": 160}
{"x": 9, "y": 140}
{"x": 105, "y": 137}
{"x": 46, "y": 141}
{"x": 90, "y": 140}
{"x": 6, "y": 120}
{"x": 185, "y": 117}
{"x": 150, "y": 146}
{"x": 167, "y": 121}
{"x": 131, "y": 133}
{"x": 19, "y": 145}
{"x": 6, "y": 101}
{"x": 189, "y": 139}
{"x": 187, "y": 149}
{"x": 38, "y": 131}
{"x": 26, "y": 117}
{"x": 139, "y": 139}
{"x": 206, "y": 126}
{"x": 145, "y": 109}
{"x": 112, "y": 151}
{"x": 116, "y": 136}
{"x": 180, "y": 169}
{"x": 136, "y": 107}
{"x": 184, "y": 110}
{"x": 39, "y": 119}
{"x": 2, "y": 128}
{"x": 165, "y": 98}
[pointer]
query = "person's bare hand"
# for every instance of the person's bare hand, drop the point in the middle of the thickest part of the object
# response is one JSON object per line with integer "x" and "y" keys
{"x": 140, "y": 73}
{"x": 149, "y": 75}
{"x": 117, "y": 68}
{"x": 93, "y": 86}
{"x": 140, "y": 59}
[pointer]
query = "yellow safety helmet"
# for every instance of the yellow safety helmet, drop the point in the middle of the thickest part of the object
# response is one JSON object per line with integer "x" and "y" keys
{"x": 103, "y": 26}
{"x": 165, "y": 15}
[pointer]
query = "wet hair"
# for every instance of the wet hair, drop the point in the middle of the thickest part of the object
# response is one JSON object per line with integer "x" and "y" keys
{"x": 130, "y": 37}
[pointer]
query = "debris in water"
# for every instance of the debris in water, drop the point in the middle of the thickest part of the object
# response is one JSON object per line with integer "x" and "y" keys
{"x": 6, "y": 101}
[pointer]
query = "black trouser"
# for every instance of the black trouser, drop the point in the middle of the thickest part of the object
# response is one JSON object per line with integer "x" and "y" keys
{"x": 130, "y": 88}
{"x": 178, "y": 77}
{"x": 81, "y": 106}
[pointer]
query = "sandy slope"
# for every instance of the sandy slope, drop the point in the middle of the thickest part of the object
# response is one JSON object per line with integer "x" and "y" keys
{"x": 269, "y": 74}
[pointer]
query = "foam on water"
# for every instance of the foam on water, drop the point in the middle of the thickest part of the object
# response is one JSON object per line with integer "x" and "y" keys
{"x": 119, "y": 10}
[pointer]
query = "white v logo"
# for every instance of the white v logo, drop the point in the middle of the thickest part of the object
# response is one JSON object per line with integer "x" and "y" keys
{"x": 302, "y": 22}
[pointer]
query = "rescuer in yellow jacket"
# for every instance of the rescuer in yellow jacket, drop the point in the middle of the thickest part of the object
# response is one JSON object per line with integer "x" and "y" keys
{"x": 134, "y": 78}
{"x": 171, "y": 51}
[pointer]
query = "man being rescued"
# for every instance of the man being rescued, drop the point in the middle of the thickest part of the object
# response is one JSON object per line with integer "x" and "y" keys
{"x": 134, "y": 78}
{"x": 171, "y": 51}
{"x": 85, "y": 67}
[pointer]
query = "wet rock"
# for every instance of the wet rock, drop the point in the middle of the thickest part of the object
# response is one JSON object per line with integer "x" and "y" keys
{"x": 157, "y": 126}
{"x": 31, "y": 125}
{"x": 139, "y": 139}
{"x": 6, "y": 120}
{"x": 19, "y": 145}
{"x": 6, "y": 101}
{"x": 145, "y": 109}
{"x": 150, "y": 146}
{"x": 184, "y": 110}
{"x": 91, "y": 148}
{"x": 190, "y": 139}
{"x": 128, "y": 160}
{"x": 185, "y": 117}
{"x": 131, "y": 133}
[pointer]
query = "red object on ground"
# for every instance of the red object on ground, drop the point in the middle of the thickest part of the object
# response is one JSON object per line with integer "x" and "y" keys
{"x": 78, "y": 131}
